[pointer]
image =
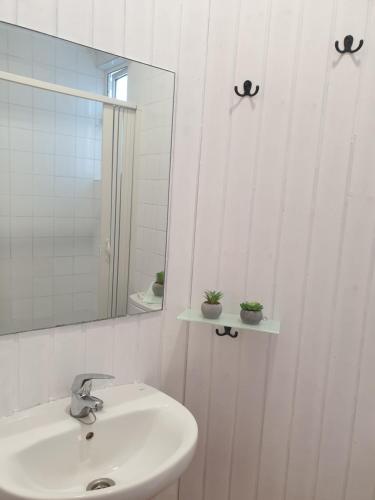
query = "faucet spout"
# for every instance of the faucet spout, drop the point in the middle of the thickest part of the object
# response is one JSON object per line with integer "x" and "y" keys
{"x": 82, "y": 401}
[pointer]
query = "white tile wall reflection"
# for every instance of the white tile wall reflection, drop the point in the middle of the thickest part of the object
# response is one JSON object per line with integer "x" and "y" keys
{"x": 154, "y": 91}
{"x": 50, "y": 151}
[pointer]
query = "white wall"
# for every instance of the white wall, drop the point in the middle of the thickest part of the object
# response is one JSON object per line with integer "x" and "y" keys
{"x": 284, "y": 213}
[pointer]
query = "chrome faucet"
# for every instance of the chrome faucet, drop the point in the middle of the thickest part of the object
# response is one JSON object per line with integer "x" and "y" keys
{"x": 82, "y": 402}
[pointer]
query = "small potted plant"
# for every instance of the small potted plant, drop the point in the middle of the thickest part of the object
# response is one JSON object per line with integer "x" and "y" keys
{"x": 251, "y": 312}
{"x": 211, "y": 307}
{"x": 158, "y": 285}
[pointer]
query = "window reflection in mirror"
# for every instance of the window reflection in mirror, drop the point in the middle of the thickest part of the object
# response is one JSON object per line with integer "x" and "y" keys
{"x": 85, "y": 141}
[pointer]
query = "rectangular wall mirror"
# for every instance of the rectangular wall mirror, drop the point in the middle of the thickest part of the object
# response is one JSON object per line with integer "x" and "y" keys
{"x": 85, "y": 152}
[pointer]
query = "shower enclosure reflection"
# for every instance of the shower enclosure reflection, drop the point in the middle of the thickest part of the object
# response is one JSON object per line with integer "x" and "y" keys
{"x": 85, "y": 141}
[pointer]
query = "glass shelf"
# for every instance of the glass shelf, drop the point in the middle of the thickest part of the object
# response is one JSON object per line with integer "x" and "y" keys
{"x": 231, "y": 320}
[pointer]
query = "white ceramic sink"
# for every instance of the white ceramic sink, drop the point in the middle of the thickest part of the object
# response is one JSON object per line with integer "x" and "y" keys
{"x": 143, "y": 441}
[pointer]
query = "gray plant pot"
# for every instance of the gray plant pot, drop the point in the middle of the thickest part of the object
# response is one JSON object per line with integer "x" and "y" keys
{"x": 211, "y": 311}
{"x": 251, "y": 317}
{"x": 158, "y": 289}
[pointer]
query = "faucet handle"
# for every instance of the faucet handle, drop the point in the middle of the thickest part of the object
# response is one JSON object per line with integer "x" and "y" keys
{"x": 83, "y": 381}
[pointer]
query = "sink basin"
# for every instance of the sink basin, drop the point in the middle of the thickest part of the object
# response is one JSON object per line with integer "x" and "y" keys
{"x": 141, "y": 442}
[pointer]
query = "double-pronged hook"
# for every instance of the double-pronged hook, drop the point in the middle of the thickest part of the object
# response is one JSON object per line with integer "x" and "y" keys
{"x": 227, "y": 331}
{"x": 348, "y": 44}
{"x": 247, "y": 86}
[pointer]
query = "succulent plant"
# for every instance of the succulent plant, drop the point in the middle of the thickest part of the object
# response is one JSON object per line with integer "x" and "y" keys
{"x": 213, "y": 296}
{"x": 251, "y": 306}
{"x": 160, "y": 278}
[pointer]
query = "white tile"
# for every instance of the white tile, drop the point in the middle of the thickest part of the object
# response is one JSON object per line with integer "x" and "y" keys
{"x": 86, "y": 246}
{"x": 42, "y": 267}
{"x": 64, "y": 226}
{"x": 65, "y": 166}
{"x": 21, "y": 247}
{"x": 86, "y": 227}
{"x": 42, "y": 286}
{"x": 21, "y": 287}
{"x": 43, "y": 164}
{"x": 4, "y": 183}
{"x": 84, "y": 207}
{"x": 20, "y": 66}
{"x": 43, "y": 247}
{"x": 43, "y": 120}
{"x": 43, "y": 185}
{"x": 4, "y": 227}
{"x": 43, "y": 99}
{"x": 20, "y": 94}
{"x": 43, "y": 227}
{"x": 4, "y": 248}
{"x": 20, "y": 43}
{"x": 85, "y": 168}
{"x": 4, "y": 205}
{"x": 63, "y": 266}
{"x": 86, "y": 127}
{"x": 35, "y": 351}
{"x": 66, "y": 55}
{"x": 65, "y": 124}
{"x": 22, "y": 162}
{"x": 64, "y": 186}
{"x": 4, "y": 137}
{"x": 21, "y": 139}
{"x": 22, "y": 309}
{"x": 45, "y": 73}
{"x": 21, "y": 227}
{"x": 85, "y": 148}
{"x": 43, "y": 308}
{"x": 63, "y": 308}
{"x": 44, "y": 48}
{"x": 4, "y": 114}
{"x": 21, "y": 205}
{"x": 84, "y": 188}
{"x": 5, "y": 162}
{"x": 86, "y": 108}
{"x": 86, "y": 264}
{"x": 21, "y": 184}
{"x": 20, "y": 116}
{"x": 4, "y": 91}
{"x": 43, "y": 206}
{"x": 66, "y": 104}
{"x": 43, "y": 142}
{"x": 85, "y": 283}
{"x": 83, "y": 301}
{"x": 64, "y": 207}
{"x": 67, "y": 78}
{"x": 64, "y": 247}
{"x": 65, "y": 145}
{"x": 62, "y": 285}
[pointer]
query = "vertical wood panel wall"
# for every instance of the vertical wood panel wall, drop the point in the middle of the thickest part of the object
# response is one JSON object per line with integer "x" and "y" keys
{"x": 272, "y": 199}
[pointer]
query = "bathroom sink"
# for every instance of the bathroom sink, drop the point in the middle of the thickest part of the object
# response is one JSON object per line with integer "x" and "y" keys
{"x": 141, "y": 442}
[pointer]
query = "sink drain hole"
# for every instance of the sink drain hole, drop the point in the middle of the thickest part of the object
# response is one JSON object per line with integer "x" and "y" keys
{"x": 100, "y": 484}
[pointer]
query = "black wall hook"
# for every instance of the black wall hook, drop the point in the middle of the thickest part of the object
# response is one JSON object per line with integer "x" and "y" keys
{"x": 247, "y": 86}
{"x": 227, "y": 331}
{"x": 348, "y": 44}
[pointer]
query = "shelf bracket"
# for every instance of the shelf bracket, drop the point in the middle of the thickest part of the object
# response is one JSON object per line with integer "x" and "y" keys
{"x": 227, "y": 331}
